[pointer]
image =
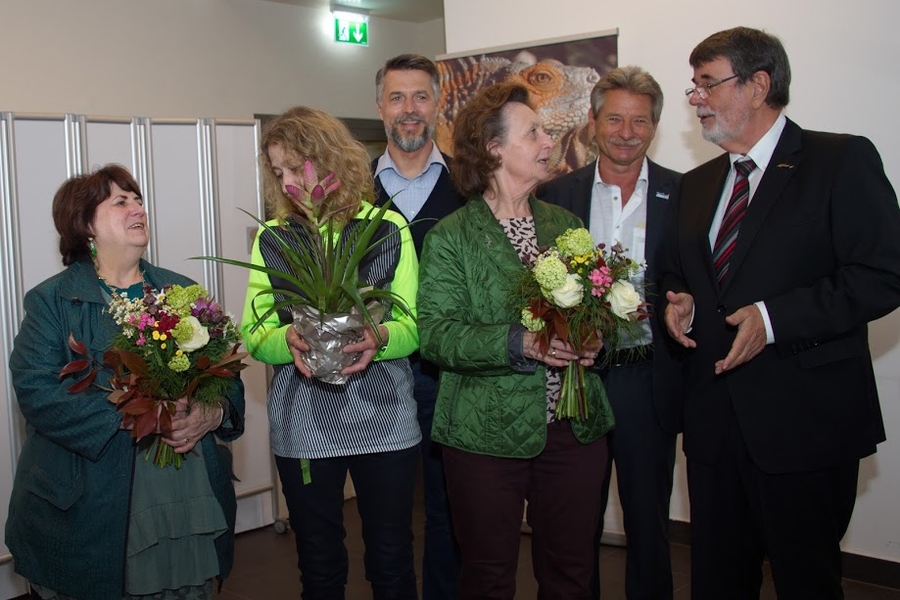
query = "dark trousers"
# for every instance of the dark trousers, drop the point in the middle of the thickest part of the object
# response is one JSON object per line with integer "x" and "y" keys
{"x": 739, "y": 514}
{"x": 487, "y": 495}
{"x": 645, "y": 459}
{"x": 440, "y": 564}
{"x": 385, "y": 484}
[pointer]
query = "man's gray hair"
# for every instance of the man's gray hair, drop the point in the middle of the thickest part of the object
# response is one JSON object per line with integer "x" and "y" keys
{"x": 408, "y": 62}
{"x": 631, "y": 79}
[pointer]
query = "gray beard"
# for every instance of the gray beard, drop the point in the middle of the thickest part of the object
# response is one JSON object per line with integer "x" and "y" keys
{"x": 409, "y": 144}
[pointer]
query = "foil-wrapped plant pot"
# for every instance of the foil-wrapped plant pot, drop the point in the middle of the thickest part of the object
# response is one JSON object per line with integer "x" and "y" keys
{"x": 327, "y": 337}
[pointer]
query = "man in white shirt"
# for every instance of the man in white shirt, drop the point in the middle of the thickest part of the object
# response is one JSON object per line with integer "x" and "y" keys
{"x": 625, "y": 197}
{"x": 781, "y": 252}
{"x": 414, "y": 173}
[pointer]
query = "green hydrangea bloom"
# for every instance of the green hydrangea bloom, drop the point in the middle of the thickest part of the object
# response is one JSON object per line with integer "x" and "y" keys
{"x": 180, "y": 298}
{"x": 183, "y": 331}
{"x": 549, "y": 271}
{"x": 180, "y": 363}
{"x": 531, "y": 322}
{"x": 575, "y": 242}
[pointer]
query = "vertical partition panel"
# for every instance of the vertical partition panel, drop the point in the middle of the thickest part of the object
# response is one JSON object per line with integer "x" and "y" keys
{"x": 109, "y": 141}
{"x": 11, "y": 585}
{"x": 237, "y": 189}
{"x": 41, "y": 166}
{"x": 174, "y": 206}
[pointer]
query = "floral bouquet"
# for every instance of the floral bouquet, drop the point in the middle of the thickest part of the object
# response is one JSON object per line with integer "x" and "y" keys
{"x": 173, "y": 344}
{"x": 580, "y": 294}
{"x": 320, "y": 284}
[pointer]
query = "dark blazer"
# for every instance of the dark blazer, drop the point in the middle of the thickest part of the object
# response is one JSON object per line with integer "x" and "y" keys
{"x": 573, "y": 192}
{"x": 819, "y": 246}
{"x": 444, "y": 199}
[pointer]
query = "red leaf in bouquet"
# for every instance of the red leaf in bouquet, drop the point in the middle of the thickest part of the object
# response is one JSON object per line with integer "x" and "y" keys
{"x": 560, "y": 325}
{"x": 112, "y": 360}
{"x": 144, "y": 425}
{"x": 75, "y": 366}
{"x": 133, "y": 363}
{"x": 203, "y": 362}
{"x": 76, "y": 346}
{"x": 138, "y": 405}
{"x": 119, "y": 396}
{"x": 83, "y": 383}
{"x": 165, "y": 419}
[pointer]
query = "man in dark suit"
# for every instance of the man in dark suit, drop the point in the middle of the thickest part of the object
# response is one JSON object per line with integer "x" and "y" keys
{"x": 415, "y": 174}
{"x": 624, "y": 197}
{"x": 774, "y": 268}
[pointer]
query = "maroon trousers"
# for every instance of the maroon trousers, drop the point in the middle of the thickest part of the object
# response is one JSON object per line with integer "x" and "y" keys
{"x": 487, "y": 497}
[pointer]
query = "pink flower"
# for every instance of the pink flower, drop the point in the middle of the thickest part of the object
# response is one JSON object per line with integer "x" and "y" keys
{"x": 141, "y": 340}
{"x": 601, "y": 280}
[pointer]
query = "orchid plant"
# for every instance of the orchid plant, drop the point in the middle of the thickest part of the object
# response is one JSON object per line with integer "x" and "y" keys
{"x": 323, "y": 254}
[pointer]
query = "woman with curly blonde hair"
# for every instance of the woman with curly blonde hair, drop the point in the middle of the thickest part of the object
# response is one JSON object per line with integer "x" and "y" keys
{"x": 320, "y": 430}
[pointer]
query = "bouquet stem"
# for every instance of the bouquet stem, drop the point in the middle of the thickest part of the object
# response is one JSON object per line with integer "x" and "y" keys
{"x": 164, "y": 455}
{"x": 572, "y": 403}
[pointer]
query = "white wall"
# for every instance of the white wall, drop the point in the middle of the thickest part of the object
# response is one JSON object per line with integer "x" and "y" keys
{"x": 843, "y": 58}
{"x": 191, "y": 58}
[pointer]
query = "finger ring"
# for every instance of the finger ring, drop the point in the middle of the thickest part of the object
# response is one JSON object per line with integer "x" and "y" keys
{"x": 185, "y": 441}
{"x": 553, "y": 352}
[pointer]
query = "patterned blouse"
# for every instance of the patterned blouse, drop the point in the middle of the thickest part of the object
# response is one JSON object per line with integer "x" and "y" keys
{"x": 523, "y": 237}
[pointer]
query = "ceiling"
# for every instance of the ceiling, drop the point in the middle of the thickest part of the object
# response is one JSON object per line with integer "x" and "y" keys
{"x": 417, "y": 11}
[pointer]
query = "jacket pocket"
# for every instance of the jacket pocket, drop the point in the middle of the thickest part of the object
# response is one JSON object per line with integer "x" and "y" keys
{"x": 61, "y": 492}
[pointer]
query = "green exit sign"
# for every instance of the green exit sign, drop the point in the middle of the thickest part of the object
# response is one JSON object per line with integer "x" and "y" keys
{"x": 351, "y": 30}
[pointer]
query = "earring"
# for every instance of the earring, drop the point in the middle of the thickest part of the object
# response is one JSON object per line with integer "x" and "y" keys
{"x": 92, "y": 248}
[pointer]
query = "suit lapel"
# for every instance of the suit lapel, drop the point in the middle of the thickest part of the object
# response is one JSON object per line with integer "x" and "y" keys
{"x": 582, "y": 194}
{"x": 660, "y": 193}
{"x": 785, "y": 159}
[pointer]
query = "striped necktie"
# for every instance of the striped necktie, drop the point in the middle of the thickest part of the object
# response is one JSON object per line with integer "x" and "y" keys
{"x": 737, "y": 208}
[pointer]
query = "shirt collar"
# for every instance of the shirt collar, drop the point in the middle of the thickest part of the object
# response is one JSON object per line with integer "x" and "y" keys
{"x": 643, "y": 176}
{"x": 386, "y": 162}
{"x": 762, "y": 151}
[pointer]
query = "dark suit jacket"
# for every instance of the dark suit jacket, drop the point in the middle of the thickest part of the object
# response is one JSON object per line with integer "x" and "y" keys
{"x": 819, "y": 246}
{"x": 573, "y": 191}
{"x": 443, "y": 200}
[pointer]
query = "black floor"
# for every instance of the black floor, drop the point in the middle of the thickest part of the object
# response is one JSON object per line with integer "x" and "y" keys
{"x": 265, "y": 568}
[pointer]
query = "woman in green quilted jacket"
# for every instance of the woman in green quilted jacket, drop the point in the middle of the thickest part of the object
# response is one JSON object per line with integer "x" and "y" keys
{"x": 495, "y": 418}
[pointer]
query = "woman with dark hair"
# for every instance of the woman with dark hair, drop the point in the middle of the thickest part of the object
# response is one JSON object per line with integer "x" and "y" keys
{"x": 496, "y": 404}
{"x": 367, "y": 426}
{"x": 89, "y": 516}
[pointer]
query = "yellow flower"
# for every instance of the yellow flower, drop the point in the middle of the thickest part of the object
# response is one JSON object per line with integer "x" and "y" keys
{"x": 163, "y": 337}
{"x": 163, "y": 346}
{"x": 155, "y": 335}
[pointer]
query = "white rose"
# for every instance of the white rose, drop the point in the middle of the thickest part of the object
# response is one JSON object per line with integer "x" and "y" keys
{"x": 568, "y": 294}
{"x": 199, "y": 339}
{"x": 623, "y": 299}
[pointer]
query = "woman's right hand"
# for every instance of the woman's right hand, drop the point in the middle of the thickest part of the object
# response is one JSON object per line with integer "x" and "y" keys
{"x": 558, "y": 354}
{"x": 297, "y": 347}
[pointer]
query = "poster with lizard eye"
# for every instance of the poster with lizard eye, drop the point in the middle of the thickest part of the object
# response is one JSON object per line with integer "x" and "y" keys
{"x": 559, "y": 75}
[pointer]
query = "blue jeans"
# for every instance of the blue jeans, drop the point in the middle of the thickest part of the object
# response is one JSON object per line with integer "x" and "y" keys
{"x": 385, "y": 486}
{"x": 440, "y": 565}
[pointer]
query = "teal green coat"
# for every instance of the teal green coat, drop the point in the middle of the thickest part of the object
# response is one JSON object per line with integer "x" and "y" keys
{"x": 68, "y": 512}
{"x": 484, "y": 405}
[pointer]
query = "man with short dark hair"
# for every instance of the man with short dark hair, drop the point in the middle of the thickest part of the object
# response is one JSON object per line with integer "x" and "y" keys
{"x": 415, "y": 174}
{"x": 625, "y": 197}
{"x": 781, "y": 252}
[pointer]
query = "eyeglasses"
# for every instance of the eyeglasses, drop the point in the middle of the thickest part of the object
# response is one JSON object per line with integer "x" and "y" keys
{"x": 704, "y": 90}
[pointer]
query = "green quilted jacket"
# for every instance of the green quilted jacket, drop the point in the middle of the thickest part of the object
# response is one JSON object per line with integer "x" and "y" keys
{"x": 485, "y": 405}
